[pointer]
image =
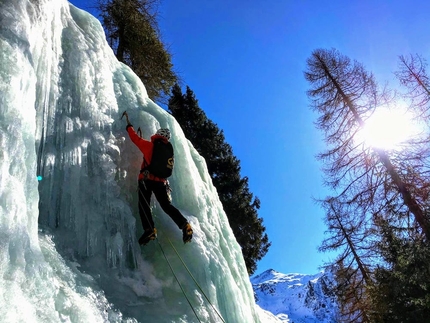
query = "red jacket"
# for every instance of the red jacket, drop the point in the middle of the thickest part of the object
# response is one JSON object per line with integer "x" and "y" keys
{"x": 145, "y": 146}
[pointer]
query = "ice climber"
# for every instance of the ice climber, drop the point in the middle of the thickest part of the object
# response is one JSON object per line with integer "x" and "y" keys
{"x": 157, "y": 165}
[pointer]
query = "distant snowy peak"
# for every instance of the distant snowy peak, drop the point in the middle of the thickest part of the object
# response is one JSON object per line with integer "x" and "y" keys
{"x": 276, "y": 277}
{"x": 296, "y": 298}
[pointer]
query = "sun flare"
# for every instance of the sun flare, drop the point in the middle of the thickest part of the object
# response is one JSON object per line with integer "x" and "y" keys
{"x": 389, "y": 129}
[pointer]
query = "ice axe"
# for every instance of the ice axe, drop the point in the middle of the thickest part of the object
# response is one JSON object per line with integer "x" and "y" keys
{"x": 126, "y": 117}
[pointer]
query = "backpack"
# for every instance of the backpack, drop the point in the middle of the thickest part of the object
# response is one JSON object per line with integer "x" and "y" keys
{"x": 162, "y": 159}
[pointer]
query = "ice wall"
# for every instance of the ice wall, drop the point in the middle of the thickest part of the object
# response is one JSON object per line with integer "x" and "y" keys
{"x": 68, "y": 243}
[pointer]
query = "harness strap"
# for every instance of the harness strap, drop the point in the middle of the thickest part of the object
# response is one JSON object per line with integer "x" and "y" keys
{"x": 145, "y": 174}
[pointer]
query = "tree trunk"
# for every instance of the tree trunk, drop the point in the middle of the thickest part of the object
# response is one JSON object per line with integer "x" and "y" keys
{"x": 408, "y": 199}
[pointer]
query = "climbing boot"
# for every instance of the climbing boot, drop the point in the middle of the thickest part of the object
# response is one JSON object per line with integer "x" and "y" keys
{"x": 187, "y": 233}
{"x": 147, "y": 236}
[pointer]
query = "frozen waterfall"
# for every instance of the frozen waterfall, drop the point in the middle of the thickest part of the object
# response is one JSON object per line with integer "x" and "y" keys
{"x": 68, "y": 242}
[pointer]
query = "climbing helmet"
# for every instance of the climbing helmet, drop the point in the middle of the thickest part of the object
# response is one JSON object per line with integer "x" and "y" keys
{"x": 164, "y": 132}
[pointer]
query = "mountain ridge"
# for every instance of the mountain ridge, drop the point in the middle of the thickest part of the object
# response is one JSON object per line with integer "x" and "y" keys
{"x": 296, "y": 298}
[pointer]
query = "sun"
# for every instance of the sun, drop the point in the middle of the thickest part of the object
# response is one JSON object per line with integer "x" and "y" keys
{"x": 389, "y": 128}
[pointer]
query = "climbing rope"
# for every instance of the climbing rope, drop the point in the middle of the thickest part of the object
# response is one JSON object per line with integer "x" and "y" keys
{"x": 165, "y": 256}
{"x": 195, "y": 281}
{"x": 180, "y": 285}
{"x": 183, "y": 263}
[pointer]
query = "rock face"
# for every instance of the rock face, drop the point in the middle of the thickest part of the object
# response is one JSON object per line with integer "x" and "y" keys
{"x": 296, "y": 298}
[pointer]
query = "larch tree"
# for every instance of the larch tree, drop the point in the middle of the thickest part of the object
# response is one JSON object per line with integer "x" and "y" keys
{"x": 345, "y": 95}
{"x": 368, "y": 182}
{"x": 132, "y": 32}
{"x": 348, "y": 229}
{"x": 401, "y": 281}
{"x": 412, "y": 74}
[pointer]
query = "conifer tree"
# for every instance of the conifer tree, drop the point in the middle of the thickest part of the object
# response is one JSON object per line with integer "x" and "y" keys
{"x": 413, "y": 75}
{"x": 401, "y": 285}
{"x": 402, "y": 282}
{"x": 132, "y": 32}
{"x": 367, "y": 181}
{"x": 224, "y": 168}
{"x": 345, "y": 94}
{"x": 348, "y": 228}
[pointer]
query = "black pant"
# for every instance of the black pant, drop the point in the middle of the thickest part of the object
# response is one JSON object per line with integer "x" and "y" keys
{"x": 146, "y": 188}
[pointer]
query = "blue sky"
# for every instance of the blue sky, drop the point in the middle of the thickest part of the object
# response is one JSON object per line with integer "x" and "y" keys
{"x": 245, "y": 62}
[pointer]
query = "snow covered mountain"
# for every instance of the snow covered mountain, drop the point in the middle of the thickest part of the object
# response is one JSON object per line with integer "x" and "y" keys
{"x": 296, "y": 298}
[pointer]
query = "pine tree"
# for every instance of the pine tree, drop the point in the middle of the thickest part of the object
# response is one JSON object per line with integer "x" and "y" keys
{"x": 132, "y": 32}
{"x": 224, "y": 168}
{"x": 401, "y": 290}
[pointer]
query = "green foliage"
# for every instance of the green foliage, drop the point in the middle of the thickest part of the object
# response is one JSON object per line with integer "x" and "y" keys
{"x": 132, "y": 32}
{"x": 402, "y": 285}
{"x": 224, "y": 168}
